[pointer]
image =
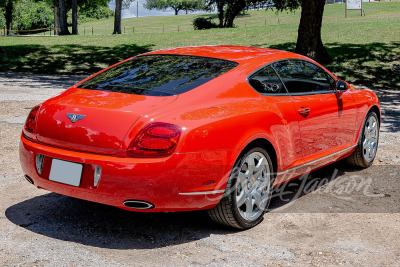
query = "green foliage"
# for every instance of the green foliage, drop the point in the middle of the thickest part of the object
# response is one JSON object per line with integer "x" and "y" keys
{"x": 2, "y": 18}
{"x": 289, "y": 5}
{"x": 91, "y": 13}
{"x": 29, "y": 14}
{"x": 125, "y": 3}
{"x": 101, "y": 12}
{"x": 33, "y": 14}
{"x": 201, "y": 23}
{"x": 228, "y": 10}
{"x": 177, "y": 5}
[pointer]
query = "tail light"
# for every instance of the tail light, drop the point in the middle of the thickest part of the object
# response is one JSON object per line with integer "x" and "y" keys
{"x": 30, "y": 124}
{"x": 155, "y": 140}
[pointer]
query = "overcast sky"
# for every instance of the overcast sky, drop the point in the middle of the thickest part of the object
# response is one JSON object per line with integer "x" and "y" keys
{"x": 131, "y": 12}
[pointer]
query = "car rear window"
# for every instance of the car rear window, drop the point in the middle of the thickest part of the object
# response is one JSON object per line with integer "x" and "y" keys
{"x": 159, "y": 75}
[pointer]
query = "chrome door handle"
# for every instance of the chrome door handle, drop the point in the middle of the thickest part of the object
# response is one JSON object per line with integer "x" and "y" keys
{"x": 304, "y": 110}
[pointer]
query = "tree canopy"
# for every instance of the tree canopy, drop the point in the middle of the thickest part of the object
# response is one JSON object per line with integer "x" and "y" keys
{"x": 36, "y": 14}
{"x": 176, "y": 5}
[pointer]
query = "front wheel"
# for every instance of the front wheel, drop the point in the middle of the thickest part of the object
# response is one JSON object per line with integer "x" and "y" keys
{"x": 367, "y": 146}
{"x": 248, "y": 192}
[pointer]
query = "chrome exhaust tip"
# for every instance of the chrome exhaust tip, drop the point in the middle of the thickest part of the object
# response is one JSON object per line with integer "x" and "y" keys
{"x": 138, "y": 204}
{"x": 29, "y": 179}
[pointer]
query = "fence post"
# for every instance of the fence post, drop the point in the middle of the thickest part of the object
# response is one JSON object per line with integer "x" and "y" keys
{"x": 178, "y": 28}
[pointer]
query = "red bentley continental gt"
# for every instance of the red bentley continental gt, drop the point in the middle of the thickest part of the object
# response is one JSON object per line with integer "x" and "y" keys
{"x": 192, "y": 128}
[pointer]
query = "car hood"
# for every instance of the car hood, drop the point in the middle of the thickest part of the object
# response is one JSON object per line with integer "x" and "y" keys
{"x": 91, "y": 120}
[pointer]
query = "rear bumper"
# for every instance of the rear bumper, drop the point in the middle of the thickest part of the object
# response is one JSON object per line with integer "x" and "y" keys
{"x": 181, "y": 182}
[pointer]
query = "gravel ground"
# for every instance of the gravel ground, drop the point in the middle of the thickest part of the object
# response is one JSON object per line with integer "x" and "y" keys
{"x": 341, "y": 216}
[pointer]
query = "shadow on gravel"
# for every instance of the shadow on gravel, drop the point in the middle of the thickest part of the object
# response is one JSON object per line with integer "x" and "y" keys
{"x": 390, "y": 109}
{"x": 98, "y": 225}
{"x": 332, "y": 189}
{"x": 42, "y": 81}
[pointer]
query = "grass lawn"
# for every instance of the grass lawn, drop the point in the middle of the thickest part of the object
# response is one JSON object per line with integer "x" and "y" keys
{"x": 366, "y": 50}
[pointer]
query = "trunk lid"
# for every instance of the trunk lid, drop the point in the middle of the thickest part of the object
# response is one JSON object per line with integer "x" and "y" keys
{"x": 91, "y": 120}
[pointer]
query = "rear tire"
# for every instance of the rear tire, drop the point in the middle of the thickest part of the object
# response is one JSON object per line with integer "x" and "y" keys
{"x": 248, "y": 191}
{"x": 368, "y": 140}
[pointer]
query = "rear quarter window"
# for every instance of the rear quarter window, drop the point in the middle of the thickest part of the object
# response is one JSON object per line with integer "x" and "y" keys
{"x": 159, "y": 75}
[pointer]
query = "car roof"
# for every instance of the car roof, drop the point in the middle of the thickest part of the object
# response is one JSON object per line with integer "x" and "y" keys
{"x": 240, "y": 54}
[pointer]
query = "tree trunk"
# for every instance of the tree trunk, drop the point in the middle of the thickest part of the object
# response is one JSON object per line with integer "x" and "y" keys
{"x": 56, "y": 19}
{"x": 233, "y": 10}
{"x": 9, "y": 11}
{"x": 220, "y": 7}
{"x": 117, "y": 17}
{"x": 74, "y": 17}
{"x": 176, "y": 11}
{"x": 309, "y": 42}
{"x": 63, "y": 18}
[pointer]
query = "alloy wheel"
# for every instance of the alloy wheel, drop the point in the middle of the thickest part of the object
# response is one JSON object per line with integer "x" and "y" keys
{"x": 370, "y": 140}
{"x": 253, "y": 186}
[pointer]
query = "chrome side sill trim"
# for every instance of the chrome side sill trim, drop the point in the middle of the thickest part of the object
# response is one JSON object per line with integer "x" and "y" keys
{"x": 203, "y": 193}
{"x": 316, "y": 160}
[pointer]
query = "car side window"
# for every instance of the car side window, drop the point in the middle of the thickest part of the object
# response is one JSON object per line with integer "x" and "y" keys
{"x": 265, "y": 81}
{"x": 300, "y": 76}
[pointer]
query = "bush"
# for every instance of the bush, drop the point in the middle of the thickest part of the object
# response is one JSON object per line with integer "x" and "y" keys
{"x": 2, "y": 18}
{"x": 91, "y": 13}
{"x": 29, "y": 14}
{"x": 203, "y": 23}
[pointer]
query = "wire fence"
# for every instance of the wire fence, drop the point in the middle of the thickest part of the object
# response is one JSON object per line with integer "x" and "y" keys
{"x": 51, "y": 31}
{"x": 45, "y": 31}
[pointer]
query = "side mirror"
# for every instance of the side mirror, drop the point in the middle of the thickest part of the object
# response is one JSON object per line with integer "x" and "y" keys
{"x": 342, "y": 85}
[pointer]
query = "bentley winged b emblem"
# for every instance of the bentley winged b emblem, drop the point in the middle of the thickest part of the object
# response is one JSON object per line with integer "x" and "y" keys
{"x": 75, "y": 117}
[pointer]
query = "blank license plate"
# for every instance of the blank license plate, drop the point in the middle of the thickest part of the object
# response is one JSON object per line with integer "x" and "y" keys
{"x": 66, "y": 172}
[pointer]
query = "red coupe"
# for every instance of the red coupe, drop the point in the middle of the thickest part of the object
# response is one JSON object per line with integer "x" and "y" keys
{"x": 210, "y": 127}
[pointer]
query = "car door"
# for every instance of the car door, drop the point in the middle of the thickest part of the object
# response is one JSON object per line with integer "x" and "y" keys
{"x": 326, "y": 121}
{"x": 280, "y": 115}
